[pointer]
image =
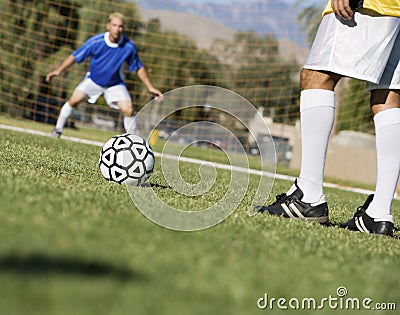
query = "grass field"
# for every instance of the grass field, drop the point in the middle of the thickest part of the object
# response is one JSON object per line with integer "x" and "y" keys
{"x": 72, "y": 243}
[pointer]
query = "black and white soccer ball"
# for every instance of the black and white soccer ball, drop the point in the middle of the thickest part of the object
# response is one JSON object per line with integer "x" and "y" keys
{"x": 127, "y": 159}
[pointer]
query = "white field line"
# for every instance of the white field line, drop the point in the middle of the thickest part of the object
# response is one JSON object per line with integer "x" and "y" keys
{"x": 194, "y": 161}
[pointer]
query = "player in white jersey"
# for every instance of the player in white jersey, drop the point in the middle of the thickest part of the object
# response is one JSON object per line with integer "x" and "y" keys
{"x": 361, "y": 43}
{"x": 108, "y": 53}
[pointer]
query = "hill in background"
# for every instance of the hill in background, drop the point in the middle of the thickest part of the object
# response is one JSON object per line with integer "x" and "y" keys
{"x": 205, "y": 22}
{"x": 260, "y": 16}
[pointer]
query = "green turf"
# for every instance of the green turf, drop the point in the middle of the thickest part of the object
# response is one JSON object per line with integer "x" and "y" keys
{"x": 72, "y": 243}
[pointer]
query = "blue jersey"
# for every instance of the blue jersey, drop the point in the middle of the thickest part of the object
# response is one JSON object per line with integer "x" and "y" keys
{"x": 107, "y": 59}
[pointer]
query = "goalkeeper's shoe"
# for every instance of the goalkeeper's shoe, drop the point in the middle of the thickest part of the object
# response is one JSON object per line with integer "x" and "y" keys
{"x": 292, "y": 206}
{"x": 56, "y": 133}
{"x": 362, "y": 222}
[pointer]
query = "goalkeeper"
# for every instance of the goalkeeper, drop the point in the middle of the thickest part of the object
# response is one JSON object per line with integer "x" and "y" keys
{"x": 108, "y": 54}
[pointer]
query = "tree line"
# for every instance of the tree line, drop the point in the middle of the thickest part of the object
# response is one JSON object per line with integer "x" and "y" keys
{"x": 38, "y": 35}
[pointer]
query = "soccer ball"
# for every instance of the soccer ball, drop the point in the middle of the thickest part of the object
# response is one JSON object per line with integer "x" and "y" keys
{"x": 126, "y": 159}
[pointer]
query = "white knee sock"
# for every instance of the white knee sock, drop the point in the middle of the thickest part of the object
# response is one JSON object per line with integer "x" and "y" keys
{"x": 130, "y": 124}
{"x": 65, "y": 112}
{"x": 387, "y": 130}
{"x": 317, "y": 114}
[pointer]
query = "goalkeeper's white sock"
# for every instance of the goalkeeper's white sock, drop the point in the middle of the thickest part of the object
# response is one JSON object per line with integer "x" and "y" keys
{"x": 317, "y": 114}
{"x": 65, "y": 112}
{"x": 387, "y": 130}
{"x": 130, "y": 124}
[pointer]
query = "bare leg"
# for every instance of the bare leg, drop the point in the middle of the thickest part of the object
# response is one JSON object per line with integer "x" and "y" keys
{"x": 311, "y": 79}
{"x": 129, "y": 120}
{"x": 76, "y": 97}
{"x": 384, "y": 99}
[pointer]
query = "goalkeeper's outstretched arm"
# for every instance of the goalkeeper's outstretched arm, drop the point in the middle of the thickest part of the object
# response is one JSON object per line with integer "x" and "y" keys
{"x": 65, "y": 65}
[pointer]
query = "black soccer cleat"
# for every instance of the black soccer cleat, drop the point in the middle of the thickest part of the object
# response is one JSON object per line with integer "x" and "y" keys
{"x": 55, "y": 133}
{"x": 362, "y": 222}
{"x": 291, "y": 206}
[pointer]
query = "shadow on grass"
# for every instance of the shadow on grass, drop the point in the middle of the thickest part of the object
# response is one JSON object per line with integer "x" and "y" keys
{"x": 160, "y": 186}
{"x": 40, "y": 264}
